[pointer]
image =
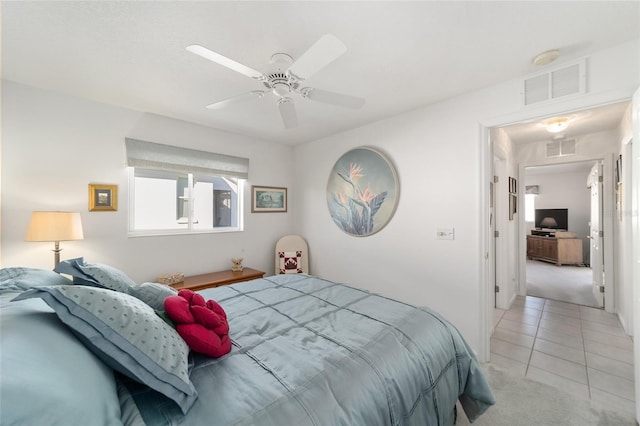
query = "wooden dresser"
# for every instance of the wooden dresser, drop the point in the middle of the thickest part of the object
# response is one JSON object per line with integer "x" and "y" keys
{"x": 215, "y": 279}
{"x": 561, "y": 251}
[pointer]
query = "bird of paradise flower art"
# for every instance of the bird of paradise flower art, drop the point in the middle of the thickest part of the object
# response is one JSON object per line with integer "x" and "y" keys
{"x": 353, "y": 212}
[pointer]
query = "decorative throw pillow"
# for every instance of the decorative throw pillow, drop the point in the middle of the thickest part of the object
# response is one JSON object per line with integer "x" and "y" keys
{"x": 20, "y": 279}
{"x": 153, "y": 294}
{"x": 126, "y": 334}
{"x": 203, "y": 325}
{"x": 290, "y": 262}
{"x": 108, "y": 276}
{"x": 95, "y": 274}
{"x": 73, "y": 267}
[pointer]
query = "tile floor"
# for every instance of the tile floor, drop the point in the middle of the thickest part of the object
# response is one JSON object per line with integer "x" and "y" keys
{"x": 580, "y": 349}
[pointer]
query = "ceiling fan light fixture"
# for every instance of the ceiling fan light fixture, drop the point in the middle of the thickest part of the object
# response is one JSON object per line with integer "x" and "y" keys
{"x": 547, "y": 57}
{"x": 281, "y": 89}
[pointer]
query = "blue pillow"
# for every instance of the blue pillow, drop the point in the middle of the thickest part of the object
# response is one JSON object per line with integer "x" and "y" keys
{"x": 105, "y": 276}
{"x": 20, "y": 279}
{"x": 48, "y": 376}
{"x": 126, "y": 334}
{"x": 153, "y": 294}
{"x": 95, "y": 274}
{"x": 73, "y": 267}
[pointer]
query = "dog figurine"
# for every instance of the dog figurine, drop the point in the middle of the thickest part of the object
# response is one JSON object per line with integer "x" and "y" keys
{"x": 236, "y": 264}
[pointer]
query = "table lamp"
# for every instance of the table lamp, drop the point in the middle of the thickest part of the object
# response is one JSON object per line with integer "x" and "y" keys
{"x": 548, "y": 222}
{"x": 56, "y": 227}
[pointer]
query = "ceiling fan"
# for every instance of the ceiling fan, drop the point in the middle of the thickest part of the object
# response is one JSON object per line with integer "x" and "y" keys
{"x": 285, "y": 76}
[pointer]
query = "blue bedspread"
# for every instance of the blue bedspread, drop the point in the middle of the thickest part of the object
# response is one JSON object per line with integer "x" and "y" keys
{"x": 307, "y": 351}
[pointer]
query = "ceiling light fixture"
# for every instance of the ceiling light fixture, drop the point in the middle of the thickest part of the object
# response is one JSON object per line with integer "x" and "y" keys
{"x": 546, "y": 57}
{"x": 557, "y": 124}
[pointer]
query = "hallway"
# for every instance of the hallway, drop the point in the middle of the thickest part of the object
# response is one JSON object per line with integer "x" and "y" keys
{"x": 579, "y": 349}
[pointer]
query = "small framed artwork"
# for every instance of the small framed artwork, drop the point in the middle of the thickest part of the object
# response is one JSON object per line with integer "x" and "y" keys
{"x": 513, "y": 205}
{"x": 513, "y": 185}
{"x": 268, "y": 199}
{"x": 103, "y": 197}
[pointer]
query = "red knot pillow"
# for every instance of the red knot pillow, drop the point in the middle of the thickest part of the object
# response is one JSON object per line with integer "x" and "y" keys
{"x": 202, "y": 325}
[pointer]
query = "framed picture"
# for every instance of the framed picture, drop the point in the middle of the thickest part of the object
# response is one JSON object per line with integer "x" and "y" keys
{"x": 362, "y": 191}
{"x": 513, "y": 185}
{"x": 513, "y": 205}
{"x": 103, "y": 197}
{"x": 268, "y": 199}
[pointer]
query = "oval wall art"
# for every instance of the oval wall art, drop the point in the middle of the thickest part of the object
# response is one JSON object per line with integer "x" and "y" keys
{"x": 362, "y": 192}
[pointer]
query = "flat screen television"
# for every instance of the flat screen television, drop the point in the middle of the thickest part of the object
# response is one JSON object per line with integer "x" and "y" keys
{"x": 552, "y": 219}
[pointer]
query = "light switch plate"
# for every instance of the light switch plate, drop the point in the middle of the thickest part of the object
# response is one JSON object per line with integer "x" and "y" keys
{"x": 445, "y": 234}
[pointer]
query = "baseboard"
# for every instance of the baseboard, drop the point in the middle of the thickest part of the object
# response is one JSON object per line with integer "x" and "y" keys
{"x": 623, "y": 324}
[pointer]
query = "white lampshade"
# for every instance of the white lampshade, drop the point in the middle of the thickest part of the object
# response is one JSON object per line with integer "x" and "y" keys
{"x": 54, "y": 226}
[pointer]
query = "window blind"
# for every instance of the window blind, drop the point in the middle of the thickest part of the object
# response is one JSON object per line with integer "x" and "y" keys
{"x": 150, "y": 155}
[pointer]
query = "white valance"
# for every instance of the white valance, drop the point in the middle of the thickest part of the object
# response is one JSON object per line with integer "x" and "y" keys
{"x": 149, "y": 155}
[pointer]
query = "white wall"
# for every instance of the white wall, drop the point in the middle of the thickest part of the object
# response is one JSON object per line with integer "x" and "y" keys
{"x": 54, "y": 146}
{"x": 439, "y": 160}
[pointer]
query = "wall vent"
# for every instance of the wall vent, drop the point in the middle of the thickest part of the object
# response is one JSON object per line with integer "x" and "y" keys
{"x": 567, "y": 80}
{"x": 561, "y": 147}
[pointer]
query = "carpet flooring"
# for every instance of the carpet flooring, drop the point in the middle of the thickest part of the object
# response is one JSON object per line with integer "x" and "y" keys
{"x": 565, "y": 283}
{"x": 524, "y": 402}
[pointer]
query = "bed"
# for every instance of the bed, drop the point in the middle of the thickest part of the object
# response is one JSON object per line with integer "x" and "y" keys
{"x": 305, "y": 351}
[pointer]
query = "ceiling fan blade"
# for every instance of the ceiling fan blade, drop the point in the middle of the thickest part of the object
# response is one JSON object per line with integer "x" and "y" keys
{"x": 256, "y": 94}
{"x": 288, "y": 113}
{"x": 224, "y": 61}
{"x": 324, "y": 51}
{"x": 332, "y": 98}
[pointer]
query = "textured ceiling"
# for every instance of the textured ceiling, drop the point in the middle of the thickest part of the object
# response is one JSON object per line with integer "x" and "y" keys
{"x": 400, "y": 55}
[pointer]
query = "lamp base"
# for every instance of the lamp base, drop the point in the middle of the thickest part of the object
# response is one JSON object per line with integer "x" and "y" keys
{"x": 56, "y": 254}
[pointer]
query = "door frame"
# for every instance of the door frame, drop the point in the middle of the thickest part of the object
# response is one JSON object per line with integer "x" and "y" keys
{"x": 485, "y": 172}
{"x": 606, "y": 223}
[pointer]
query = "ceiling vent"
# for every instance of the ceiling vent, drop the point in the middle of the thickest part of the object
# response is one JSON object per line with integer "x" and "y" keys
{"x": 558, "y": 83}
{"x": 560, "y": 148}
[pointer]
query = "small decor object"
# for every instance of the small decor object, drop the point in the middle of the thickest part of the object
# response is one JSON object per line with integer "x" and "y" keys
{"x": 362, "y": 192}
{"x": 103, "y": 197}
{"x": 170, "y": 279}
{"x": 202, "y": 325}
{"x": 290, "y": 262}
{"x": 236, "y": 264}
{"x": 266, "y": 199}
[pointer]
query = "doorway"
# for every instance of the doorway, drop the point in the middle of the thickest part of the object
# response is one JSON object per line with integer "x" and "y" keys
{"x": 558, "y": 256}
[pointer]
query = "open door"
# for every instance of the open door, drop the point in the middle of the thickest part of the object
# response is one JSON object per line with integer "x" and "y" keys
{"x": 596, "y": 257}
{"x": 498, "y": 214}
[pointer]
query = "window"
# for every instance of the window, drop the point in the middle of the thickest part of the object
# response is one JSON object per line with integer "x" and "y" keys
{"x": 172, "y": 192}
{"x": 529, "y": 207}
